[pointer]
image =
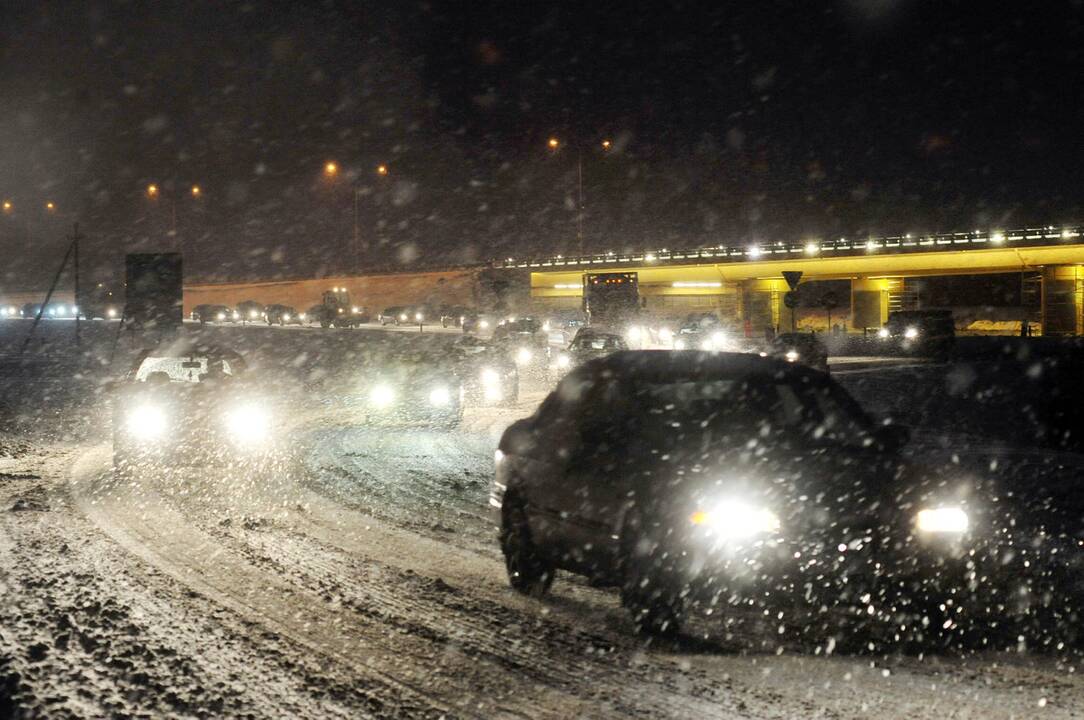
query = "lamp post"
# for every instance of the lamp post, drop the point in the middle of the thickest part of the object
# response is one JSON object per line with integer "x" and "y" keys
{"x": 154, "y": 193}
{"x": 554, "y": 145}
{"x": 331, "y": 172}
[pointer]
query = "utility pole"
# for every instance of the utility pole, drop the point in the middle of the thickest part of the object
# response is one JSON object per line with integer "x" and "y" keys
{"x": 579, "y": 207}
{"x": 76, "y": 237}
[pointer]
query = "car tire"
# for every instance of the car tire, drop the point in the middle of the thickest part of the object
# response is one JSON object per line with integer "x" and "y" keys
{"x": 325, "y": 324}
{"x": 656, "y": 608}
{"x": 528, "y": 572}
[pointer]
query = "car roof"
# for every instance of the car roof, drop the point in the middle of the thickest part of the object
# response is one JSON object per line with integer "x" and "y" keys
{"x": 668, "y": 365}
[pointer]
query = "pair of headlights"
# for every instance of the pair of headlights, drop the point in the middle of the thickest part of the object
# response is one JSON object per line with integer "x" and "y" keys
{"x": 736, "y": 520}
{"x": 247, "y": 424}
{"x": 384, "y": 395}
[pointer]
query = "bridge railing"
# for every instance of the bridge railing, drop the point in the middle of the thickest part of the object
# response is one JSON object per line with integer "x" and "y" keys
{"x": 842, "y": 247}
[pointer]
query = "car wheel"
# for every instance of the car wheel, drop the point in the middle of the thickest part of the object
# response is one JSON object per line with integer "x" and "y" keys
{"x": 656, "y": 607}
{"x": 528, "y": 572}
{"x": 325, "y": 324}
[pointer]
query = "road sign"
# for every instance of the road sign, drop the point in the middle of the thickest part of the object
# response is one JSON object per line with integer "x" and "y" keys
{"x": 791, "y": 299}
{"x": 792, "y": 277}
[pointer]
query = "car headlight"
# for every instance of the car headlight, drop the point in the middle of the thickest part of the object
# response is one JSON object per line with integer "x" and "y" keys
{"x": 563, "y": 361}
{"x": 418, "y": 317}
{"x": 666, "y": 335}
{"x": 911, "y": 333}
{"x": 546, "y": 326}
{"x": 490, "y": 378}
{"x": 221, "y": 316}
{"x": 402, "y": 317}
{"x": 483, "y": 324}
{"x": 248, "y": 423}
{"x": 439, "y": 396}
{"x": 236, "y": 316}
{"x": 736, "y": 520}
{"x": 146, "y": 422}
{"x": 883, "y": 333}
{"x": 382, "y": 395}
{"x": 302, "y": 316}
{"x": 355, "y": 310}
{"x": 524, "y": 355}
{"x": 286, "y": 317}
{"x": 792, "y": 356}
{"x": 634, "y": 334}
{"x": 942, "y": 521}
{"x": 253, "y": 314}
{"x": 679, "y": 345}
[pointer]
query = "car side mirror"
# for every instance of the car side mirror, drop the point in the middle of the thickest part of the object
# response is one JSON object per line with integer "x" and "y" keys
{"x": 892, "y": 437}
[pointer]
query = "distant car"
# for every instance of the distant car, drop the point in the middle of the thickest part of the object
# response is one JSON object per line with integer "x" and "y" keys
{"x": 475, "y": 322}
{"x": 9, "y": 311}
{"x": 586, "y": 346}
{"x": 803, "y": 348}
{"x": 281, "y": 315}
{"x": 312, "y": 315}
{"x": 524, "y": 339}
{"x": 248, "y": 311}
{"x": 191, "y": 405}
{"x": 395, "y": 315}
{"x": 211, "y": 313}
{"x": 60, "y": 310}
{"x": 30, "y": 310}
{"x": 453, "y": 315}
{"x": 705, "y": 331}
{"x": 920, "y": 332}
{"x": 712, "y": 480}
{"x": 489, "y": 375}
{"x": 426, "y": 392}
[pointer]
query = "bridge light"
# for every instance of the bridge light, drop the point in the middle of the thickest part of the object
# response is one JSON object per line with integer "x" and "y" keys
{"x": 650, "y": 257}
{"x": 870, "y": 246}
{"x": 997, "y": 238}
{"x": 1066, "y": 234}
{"x": 812, "y": 248}
{"x": 753, "y": 252}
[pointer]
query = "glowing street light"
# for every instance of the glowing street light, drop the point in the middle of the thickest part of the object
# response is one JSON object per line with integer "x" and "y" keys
{"x": 606, "y": 144}
{"x": 553, "y": 143}
{"x": 331, "y": 169}
{"x": 196, "y": 191}
{"x": 8, "y": 207}
{"x": 381, "y": 169}
{"x": 50, "y": 206}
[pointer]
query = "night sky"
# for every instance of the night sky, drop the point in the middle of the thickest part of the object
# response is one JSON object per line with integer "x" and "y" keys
{"x": 729, "y": 124}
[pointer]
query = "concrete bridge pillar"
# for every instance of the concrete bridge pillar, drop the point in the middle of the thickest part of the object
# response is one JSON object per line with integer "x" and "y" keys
{"x": 869, "y": 302}
{"x": 760, "y": 304}
{"x": 1063, "y": 300}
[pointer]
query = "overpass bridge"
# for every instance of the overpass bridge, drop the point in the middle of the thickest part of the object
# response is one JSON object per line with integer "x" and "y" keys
{"x": 747, "y": 281}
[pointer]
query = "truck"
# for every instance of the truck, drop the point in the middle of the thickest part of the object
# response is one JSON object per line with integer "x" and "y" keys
{"x": 153, "y": 291}
{"x": 611, "y": 300}
{"x": 335, "y": 310}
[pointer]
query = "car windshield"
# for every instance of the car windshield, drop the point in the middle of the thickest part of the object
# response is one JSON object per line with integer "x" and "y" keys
{"x": 182, "y": 369}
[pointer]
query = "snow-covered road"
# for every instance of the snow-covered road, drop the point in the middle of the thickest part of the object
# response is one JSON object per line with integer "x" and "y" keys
{"x": 365, "y": 582}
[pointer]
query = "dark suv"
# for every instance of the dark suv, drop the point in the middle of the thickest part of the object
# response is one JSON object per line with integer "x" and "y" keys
{"x": 720, "y": 480}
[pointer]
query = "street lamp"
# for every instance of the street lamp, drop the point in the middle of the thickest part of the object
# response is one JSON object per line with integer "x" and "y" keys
{"x": 554, "y": 144}
{"x": 331, "y": 172}
{"x": 154, "y": 192}
{"x": 8, "y": 207}
{"x": 50, "y": 206}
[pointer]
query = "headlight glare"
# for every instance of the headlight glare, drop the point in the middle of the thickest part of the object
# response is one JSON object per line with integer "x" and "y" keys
{"x": 382, "y": 395}
{"x": 146, "y": 422}
{"x": 248, "y": 423}
{"x": 942, "y": 521}
{"x": 524, "y": 355}
{"x": 439, "y": 396}
{"x": 736, "y": 520}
